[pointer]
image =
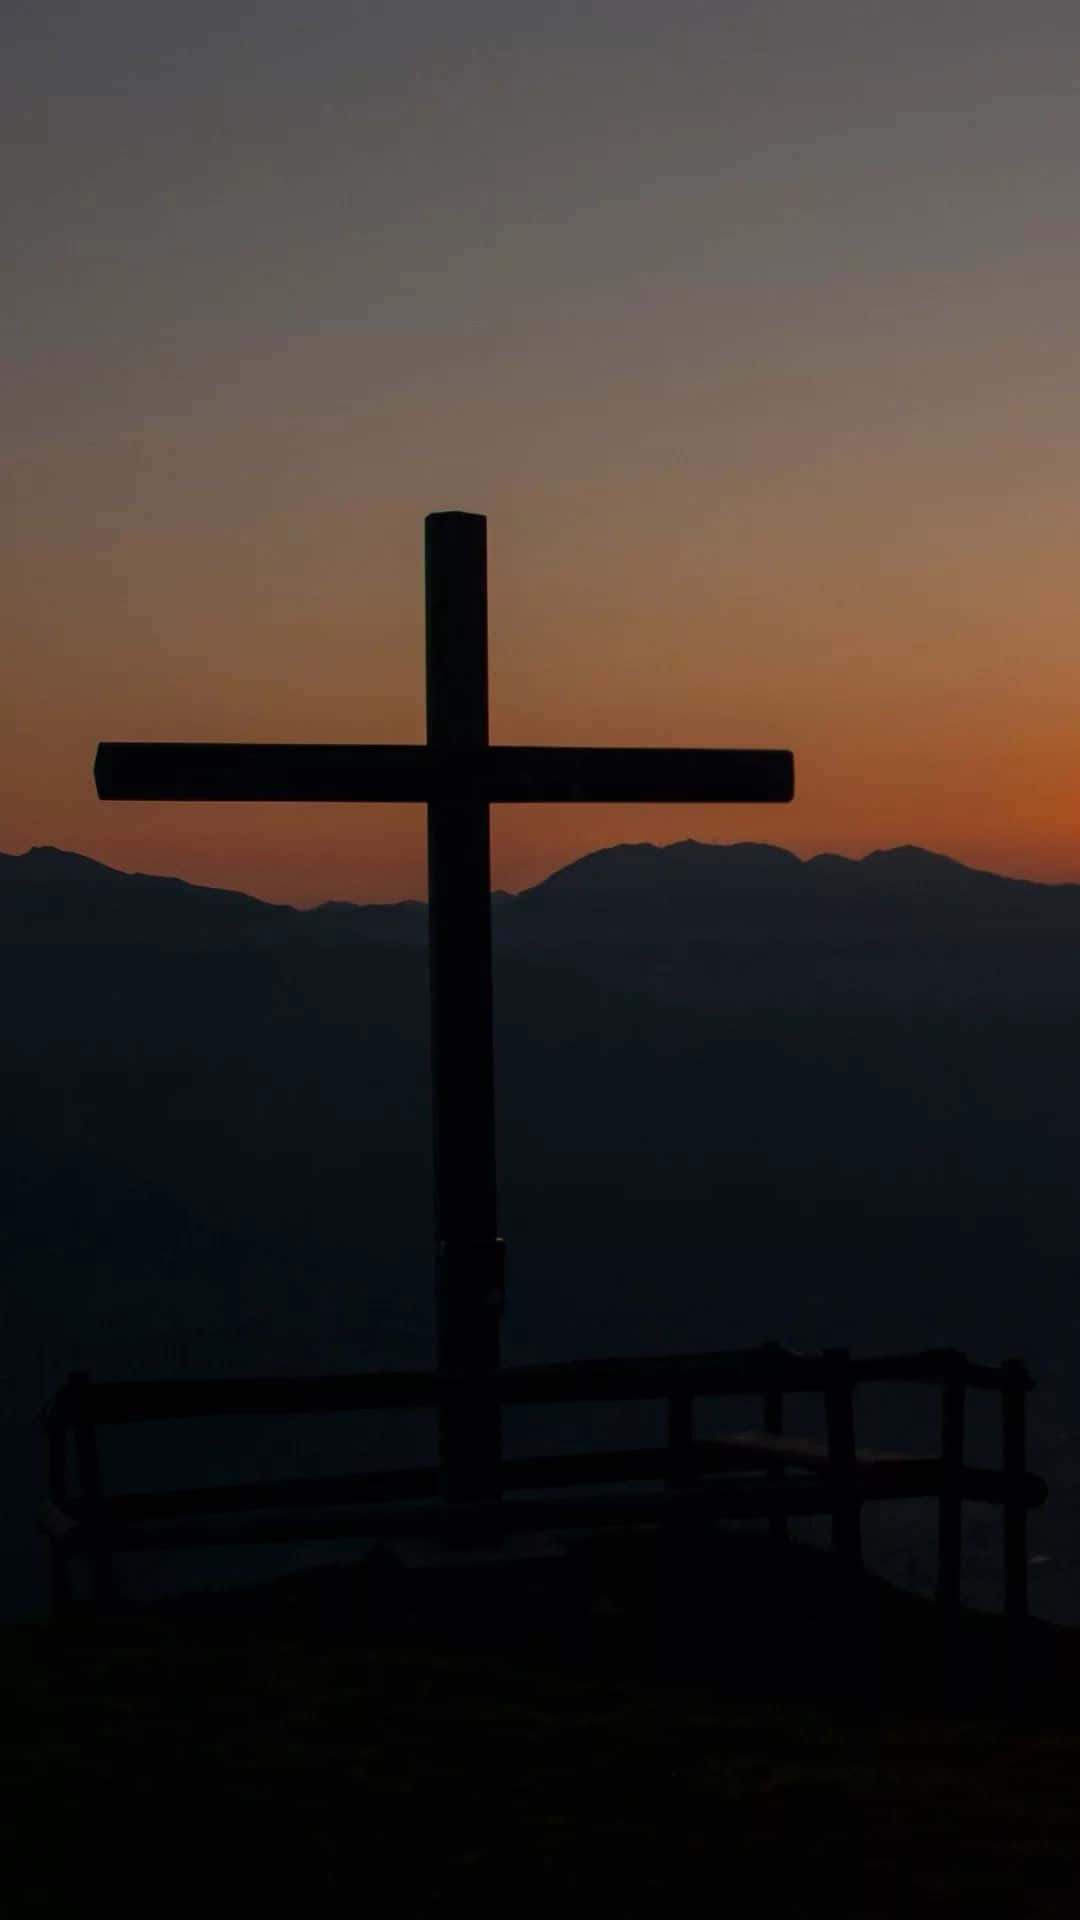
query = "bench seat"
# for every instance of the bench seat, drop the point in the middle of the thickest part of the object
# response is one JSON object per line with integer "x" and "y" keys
{"x": 557, "y": 1490}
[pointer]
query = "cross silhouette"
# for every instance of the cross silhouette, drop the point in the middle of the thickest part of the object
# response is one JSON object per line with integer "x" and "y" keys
{"x": 458, "y": 775}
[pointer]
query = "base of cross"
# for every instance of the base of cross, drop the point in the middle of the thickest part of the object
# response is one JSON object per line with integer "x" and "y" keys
{"x": 470, "y": 1291}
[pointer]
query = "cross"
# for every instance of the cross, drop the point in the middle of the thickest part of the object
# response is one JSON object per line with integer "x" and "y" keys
{"x": 458, "y": 775}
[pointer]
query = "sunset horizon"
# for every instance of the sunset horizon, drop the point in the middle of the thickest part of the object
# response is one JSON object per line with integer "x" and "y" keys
{"x": 755, "y": 335}
{"x": 306, "y": 899}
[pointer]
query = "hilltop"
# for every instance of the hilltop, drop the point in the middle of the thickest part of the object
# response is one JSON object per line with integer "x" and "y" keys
{"x": 287, "y": 1744}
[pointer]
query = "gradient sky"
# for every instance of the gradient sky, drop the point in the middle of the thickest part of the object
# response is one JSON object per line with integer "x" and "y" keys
{"x": 754, "y": 329}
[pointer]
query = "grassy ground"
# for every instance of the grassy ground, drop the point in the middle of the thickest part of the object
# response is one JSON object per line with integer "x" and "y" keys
{"x": 327, "y": 1747}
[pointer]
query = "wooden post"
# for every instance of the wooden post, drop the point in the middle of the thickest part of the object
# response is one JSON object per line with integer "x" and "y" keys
{"x": 89, "y": 1468}
{"x": 840, "y": 1426}
{"x": 682, "y": 1471}
{"x": 679, "y": 1571}
{"x": 59, "y": 1570}
{"x": 469, "y": 1254}
{"x": 950, "y": 1511}
{"x": 858, "y": 1675}
{"x": 772, "y": 1411}
{"x": 1014, "y": 1519}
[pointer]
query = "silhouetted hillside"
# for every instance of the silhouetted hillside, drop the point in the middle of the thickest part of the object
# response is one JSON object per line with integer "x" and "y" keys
{"x": 50, "y": 897}
{"x": 740, "y": 1095}
{"x": 672, "y": 895}
{"x": 755, "y": 926}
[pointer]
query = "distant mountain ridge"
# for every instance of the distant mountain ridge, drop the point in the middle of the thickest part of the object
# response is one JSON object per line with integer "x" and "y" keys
{"x": 51, "y": 894}
{"x": 47, "y": 881}
{"x": 693, "y": 924}
{"x": 749, "y": 866}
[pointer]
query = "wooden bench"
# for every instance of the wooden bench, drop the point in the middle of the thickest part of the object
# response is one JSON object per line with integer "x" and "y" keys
{"x": 766, "y": 1473}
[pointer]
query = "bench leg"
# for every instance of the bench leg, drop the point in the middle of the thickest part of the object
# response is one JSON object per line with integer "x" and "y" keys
{"x": 104, "y": 1588}
{"x": 59, "y": 1580}
{"x": 773, "y": 1420}
{"x": 950, "y": 1531}
{"x": 1014, "y": 1520}
{"x": 840, "y": 1422}
{"x": 858, "y": 1658}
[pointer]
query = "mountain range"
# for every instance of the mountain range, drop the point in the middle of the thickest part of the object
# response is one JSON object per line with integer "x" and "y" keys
{"x": 694, "y": 923}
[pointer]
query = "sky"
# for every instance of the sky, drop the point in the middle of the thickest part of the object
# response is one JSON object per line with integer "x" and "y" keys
{"x": 753, "y": 328}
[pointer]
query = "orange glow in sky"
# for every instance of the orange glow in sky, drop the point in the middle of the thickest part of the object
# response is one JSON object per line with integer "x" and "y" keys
{"x": 760, "y": 351}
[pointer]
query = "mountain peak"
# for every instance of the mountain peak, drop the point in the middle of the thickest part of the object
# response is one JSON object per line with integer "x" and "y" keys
{"x": 46, "y": 855}
{"x": 917, "y": 870}
{"x": 910, "y": 855}
{"x": 681, "y": 867}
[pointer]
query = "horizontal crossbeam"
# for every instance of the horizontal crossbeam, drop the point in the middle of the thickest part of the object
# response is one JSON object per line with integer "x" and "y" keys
{"x": 147, "y": 770}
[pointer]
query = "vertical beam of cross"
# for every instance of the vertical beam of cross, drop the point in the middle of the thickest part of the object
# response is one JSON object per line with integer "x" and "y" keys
{"x": 468, "y": 1251}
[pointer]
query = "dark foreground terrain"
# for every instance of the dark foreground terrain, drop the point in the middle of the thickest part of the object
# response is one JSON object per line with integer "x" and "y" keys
{"x": 622, "y": 1732}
